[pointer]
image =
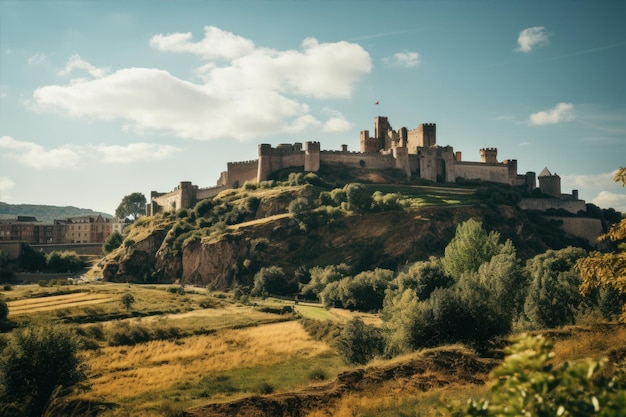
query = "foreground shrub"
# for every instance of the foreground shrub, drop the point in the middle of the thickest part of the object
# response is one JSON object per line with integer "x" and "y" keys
{"x": 38, "y": 361}
{"x": 529, "y": 384}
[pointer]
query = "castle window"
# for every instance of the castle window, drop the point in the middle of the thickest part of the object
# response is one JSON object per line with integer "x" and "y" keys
{"x": 362, "y": 163}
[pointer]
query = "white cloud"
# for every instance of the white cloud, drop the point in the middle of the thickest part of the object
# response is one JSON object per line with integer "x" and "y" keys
{"x": 531, "y": 37}
{"x": 35, "y": 156}
{"x": 38, "y": 59}
{"x": 403, "y": 59}
{"x": 77, "y": 63}
{"x": 606, "y": 199}
{"x": 6, "y": 185}
{"x": 259, "y": 92}
{"x": 216, "y": 43}
{"x": 604, "y": 180}
{"x": 135, "y": 152}
{"x": 562, "y": 112}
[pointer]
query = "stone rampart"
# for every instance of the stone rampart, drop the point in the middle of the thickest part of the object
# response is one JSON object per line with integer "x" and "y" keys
{"x": 543, "y": 204}
{"x": 240, "y": 172}
{"x": 204, "y": 193}
{"x": 79, "y": 248}
{"x": 583, "y": 227}
{"x": 356, "y": 159}
{"x": 486, "y": 172}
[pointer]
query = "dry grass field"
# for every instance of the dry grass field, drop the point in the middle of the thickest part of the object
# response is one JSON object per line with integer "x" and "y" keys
{"x": 215, "y": 350}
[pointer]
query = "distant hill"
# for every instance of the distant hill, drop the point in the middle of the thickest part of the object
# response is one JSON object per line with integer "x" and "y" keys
{"x": 44, "y": 213}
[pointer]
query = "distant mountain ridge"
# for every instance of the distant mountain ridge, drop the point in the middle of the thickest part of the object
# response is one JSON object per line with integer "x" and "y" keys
{"x": 45, "y": 213}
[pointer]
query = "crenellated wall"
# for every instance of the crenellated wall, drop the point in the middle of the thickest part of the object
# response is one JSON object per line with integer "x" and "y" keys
{"x": 415, "y": 152}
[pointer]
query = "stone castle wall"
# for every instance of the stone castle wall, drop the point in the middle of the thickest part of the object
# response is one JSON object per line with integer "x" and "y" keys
{"x": 358, "y": 160}
{"x": 240, "y": 172}
{"x": 486, "y": 172}
{"x": 543, "y": 204}
{"x": 583, "y": 227}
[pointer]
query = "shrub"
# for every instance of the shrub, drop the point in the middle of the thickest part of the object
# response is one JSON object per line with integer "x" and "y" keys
{"x": 359, "y": 343}
{"x": 528, "y": 383}
{"x": 63, "y": 261}
{"x": 112, "y": 242}
{"x": 4, "y": 309}
{"x": 359, "y": 197}
{"x": 37, "y": 361}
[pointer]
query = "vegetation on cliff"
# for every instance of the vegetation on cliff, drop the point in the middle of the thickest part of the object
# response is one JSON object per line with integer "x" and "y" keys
{"x": 304, "y": 222}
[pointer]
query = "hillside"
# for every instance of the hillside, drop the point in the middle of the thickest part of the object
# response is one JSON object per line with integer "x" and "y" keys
{"x": 227, "y": 240}
{"x": 45, "y": 213}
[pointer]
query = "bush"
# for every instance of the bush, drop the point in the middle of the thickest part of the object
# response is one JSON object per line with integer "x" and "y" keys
{"x": 359, "y": 343}
{"x": 4, "y": 309}
{"x": 37, "y": 361}
{"x": 359, "y": 197}
{"x": 528, "y": 383}
{"x": 63, "y": 261}
{"x": 112, "y": 242}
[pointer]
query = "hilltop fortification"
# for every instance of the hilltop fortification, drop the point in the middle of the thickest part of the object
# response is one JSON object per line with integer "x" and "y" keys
{"x": 414, "y": 152}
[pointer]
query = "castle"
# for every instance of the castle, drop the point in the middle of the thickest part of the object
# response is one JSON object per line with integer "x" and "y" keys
{"x": 414, "y": 152}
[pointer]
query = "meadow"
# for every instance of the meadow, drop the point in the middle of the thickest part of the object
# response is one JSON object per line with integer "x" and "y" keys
{"x": 177, "y": 348}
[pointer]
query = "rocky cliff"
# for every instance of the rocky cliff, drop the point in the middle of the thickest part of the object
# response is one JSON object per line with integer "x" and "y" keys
{"x": 176, "y": 248}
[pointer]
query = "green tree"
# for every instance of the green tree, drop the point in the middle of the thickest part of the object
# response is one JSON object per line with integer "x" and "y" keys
{"x": 112, "y": 242}
{"x": 37, "y": 361}
{"x": 528, "y": 383}
{"x": 429, "y": 306}
{"x": 553, "y": 295}
{"x": 127, "y": 301}
{"x": 63, "y": 261}
{"x": 273, "y": 280}
{"x": 132, "y": 206}
{"x": 363, "y": 292}
{"x": 300, "y": 211}
{"x": 470, "y": 248}
{"x": 321, "y": 277}
{"x": 359, "y": 343}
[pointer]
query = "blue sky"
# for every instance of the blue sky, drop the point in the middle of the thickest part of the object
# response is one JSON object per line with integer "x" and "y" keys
{"x": 102, "y": 99}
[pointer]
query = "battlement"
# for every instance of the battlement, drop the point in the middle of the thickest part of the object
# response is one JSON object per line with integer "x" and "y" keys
{"x": 251, "y": 161}
{"x": 489, "y": 155}
{"x": 312, "y": 146}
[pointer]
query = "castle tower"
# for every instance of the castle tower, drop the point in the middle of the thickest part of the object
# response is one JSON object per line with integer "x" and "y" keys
{"x": 548, "y": 183}
{"x": 531, "y": 180}
{"x": 381, "y": 128}
{"x": 427, "y": 133}
{"x": 265, "y": 162}
{"x": 489, "y": 155}
{"x": 187, "y": 195}
{"x": 369, "y": 144}
{"x": 311, "y": 156}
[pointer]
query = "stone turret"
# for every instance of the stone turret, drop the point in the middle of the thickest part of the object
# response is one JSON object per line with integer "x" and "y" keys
{"x": 549, "y": 183}
{"x": 489, "y": 155}
{"x": 311, "y": 156}
{"x": 265, "y": 162}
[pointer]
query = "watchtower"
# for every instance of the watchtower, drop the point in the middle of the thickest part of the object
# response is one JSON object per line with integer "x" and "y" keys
{"x": 489, "y": 155}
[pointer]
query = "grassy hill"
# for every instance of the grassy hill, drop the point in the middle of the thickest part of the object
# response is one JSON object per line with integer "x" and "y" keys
{"x": 229, "y": 238}
{"x": 45, "y": 213}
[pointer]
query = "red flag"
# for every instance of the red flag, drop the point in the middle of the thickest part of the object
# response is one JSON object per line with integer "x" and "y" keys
{"x": 377, "y": 103}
